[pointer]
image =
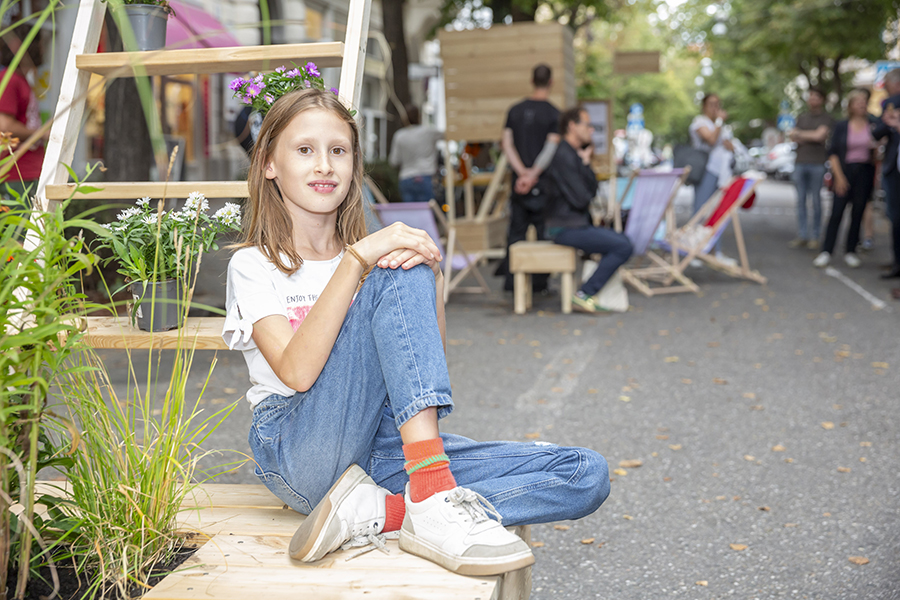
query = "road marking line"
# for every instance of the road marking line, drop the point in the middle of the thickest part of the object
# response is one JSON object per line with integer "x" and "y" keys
{"x": 876, "y": 302}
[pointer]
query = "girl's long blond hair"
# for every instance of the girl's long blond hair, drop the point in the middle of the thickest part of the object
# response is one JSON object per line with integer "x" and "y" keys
{"x": 267, "y": 224}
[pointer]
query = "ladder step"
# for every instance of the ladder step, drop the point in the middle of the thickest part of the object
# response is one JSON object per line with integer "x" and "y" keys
{"x": 212, "y": 60}
{"x": 154, "y": 189}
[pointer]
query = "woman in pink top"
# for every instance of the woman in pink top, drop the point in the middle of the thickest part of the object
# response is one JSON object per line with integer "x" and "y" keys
{"x": 850, "y": 155}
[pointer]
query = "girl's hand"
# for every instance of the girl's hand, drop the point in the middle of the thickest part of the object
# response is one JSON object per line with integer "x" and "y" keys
{"x": 398, "y": 245}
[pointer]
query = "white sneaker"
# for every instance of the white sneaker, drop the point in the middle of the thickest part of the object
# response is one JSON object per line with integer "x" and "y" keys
{"x": 822, "y": 260}
{"x": 726, "y": 260}
{"x": 453, "y": 530}
{"x": 695, "y": 263}
{"x": 852, "y": 260}
{"x": 352, "y": 513}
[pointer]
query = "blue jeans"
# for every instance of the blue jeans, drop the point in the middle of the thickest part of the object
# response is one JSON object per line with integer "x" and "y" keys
{"x": 387, "y": 365}
{"x": 615, "y": 247}
{"x": 417, "y": 189}
{"x": 808, "y": 179}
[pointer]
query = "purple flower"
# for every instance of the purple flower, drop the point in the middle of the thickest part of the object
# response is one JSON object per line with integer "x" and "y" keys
{"x": 312, "y": 70}
{"x": 236, "y": 84}
{"x": 258, "y": 79}
{"x": 279, "y": 70}
{"x": 269, "y": 98}
{"x": 253, "y": 90}
{"x": 308, "y": 84}
{"x": 247, "y": 100}
{"x": 293, "y": 73}
{"x": 334, "y": 91}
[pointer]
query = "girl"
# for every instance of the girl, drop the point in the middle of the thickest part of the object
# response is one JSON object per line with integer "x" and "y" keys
{"x": 343, "y": 336}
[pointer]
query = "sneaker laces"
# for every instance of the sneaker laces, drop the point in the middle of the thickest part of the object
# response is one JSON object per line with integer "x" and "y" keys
{"x": 473, "y": 503}
{"x": 368, "y": 540}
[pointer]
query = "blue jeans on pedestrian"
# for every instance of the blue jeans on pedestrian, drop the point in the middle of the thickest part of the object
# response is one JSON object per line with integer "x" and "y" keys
{"x": 615, "y": 247}
{"x": 387, "y": 365}
{"x": 703, "y": 191}
{"x": 808, "y": 179}
{"x": 417, "y": 189}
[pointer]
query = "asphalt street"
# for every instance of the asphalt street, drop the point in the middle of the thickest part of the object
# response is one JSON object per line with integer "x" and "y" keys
{"x": 765, "y": 419}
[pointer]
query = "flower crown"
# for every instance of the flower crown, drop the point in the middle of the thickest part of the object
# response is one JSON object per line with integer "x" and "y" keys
{"x": 262, "y": 91}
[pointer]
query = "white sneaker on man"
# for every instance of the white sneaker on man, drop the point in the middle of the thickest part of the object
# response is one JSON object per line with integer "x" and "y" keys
{"x": 352, "y": 513}
{"x": 454, "y": 530}
{"x": 852, "y": 260}
{"x": 822, "y": 260}
{"x": 726, "y": 260}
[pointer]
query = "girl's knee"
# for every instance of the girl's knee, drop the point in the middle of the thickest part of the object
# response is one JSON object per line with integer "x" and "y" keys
{"x": 592, "y": 486}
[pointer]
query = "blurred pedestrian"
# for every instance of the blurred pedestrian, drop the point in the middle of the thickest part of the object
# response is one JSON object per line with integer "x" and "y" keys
{"x": 851, "y": 156}
{"x": 573, "y": 185}
{"x": 19, "y": 113}
{"x": 810, "y": 135}
{"x": 530, "y": 138}
{"x": 414, "y": 152}
{"x": 708, "y": 133}
{"x": 890, "y": 127}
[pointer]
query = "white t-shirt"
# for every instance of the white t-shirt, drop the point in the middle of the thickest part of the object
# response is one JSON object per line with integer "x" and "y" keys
{"x": 717, "y": 152}
{"x": 257, "y": 289}
{"x": 414, "y": 150}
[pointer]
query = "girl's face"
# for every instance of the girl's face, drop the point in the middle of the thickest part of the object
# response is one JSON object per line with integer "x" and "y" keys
{"x": 313, "y": 162}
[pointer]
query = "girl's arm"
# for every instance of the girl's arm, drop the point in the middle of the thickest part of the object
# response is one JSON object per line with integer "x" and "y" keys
{"x": 298, "y": 357}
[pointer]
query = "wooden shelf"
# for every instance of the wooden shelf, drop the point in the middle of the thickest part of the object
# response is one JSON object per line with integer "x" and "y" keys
{"x": 212, "y": 60}
{"x": 154, "y": 189}
{"x": 205, "y": 333}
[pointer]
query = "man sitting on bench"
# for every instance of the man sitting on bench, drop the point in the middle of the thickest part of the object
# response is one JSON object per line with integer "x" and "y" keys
{"x": 573, "y": 186}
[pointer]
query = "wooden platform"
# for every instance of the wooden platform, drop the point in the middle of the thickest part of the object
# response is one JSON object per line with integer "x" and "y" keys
{"x": 245, "y": 531}
{"x": 202, "y": 333}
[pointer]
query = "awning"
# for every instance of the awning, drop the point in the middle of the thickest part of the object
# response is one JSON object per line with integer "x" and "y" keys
{"x": 193, "y": 27}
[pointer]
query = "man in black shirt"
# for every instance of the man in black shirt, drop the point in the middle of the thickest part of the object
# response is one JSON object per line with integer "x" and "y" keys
{"x": 530, "y": 137}
{"x": 572, "y": 186}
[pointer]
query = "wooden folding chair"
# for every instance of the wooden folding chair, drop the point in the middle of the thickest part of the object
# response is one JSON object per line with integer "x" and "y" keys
{"x": 698, "y": 237}
{"x": 427, "y": 216}
{"x": 651, "y": 196}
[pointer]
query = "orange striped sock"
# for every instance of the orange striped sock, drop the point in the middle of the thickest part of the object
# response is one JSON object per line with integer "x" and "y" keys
{"x": 428, "y": 468}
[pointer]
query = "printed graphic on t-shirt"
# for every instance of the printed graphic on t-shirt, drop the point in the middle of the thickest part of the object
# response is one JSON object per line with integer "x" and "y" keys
{"x": 298, "y": 308}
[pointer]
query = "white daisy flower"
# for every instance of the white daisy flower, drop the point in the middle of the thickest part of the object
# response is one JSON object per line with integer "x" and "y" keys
{"x": 196, "y": 202}
{"x": 230, "y": 214}
{"x": 143, "y": 201}
{"x": 128, "y": 213}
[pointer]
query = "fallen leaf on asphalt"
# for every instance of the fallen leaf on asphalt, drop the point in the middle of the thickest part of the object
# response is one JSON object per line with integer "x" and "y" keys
{"x": 778, "y": 448}
{"x": 880, "y": 365}
{"x": 738, "y": 547}
{"x": 859, "y": 560}
{"x": 757, "y": 366}
{"x": 749, "y": 395}
{"x": 757, "y": 407}
{"x": 827, "y": 514}
{"x": 654, "y": 454}
{"x": 662, "y": 429}
{"x": 534, "y": 343}
{"x": 662, "y": 437}
{"x": 843, "y": 469}
{"x": 628, "y": 517}
{"x": 736, "y": 498}
{"x": 655, "y": 346}
{"x": 626, "y": 388}
{"x": 686, "y": 381}
{"x": 862, "y": 459}
{"x": 620, "y": 472}
{"x": 561, "y": 527}
{"x": 702, "y": 582}
{"x": 230, "y": 390}
{"x": 631, "y": 463}
{"x": 533, "y": 436}
{"x": 759, "y": 301}
{"x": 667, "y": 479}
{"x": 592, "y": 391}
{"x": 798, "y": 352}
{"x": 587, "y": 541}
{"x": 789, "y": 460}
{"x": 503, "y": 342}
{"x": 776, "y": 336}
{"x": 538, "y": 355}
{"x": 836, "y": 406}
{"x": 865, "y": 444}
{"x": 671, "y": 359}
{"x": 764, "y": 508}
{"x": 675, "y": 446}
{"x": 840, "y": 315}
{"x": 537, "y": 544}
{"x": 713, "y": 344}
{"x": 720, "y": 497}
{"x": 827, "y": 425}
{"x": 749, "y": 457}
{"x": 625, "y": 398}
{"x": 745, "y": 315}
{"x": 601, "y": 544}
{"x": 720, "y": 381}
{"x": 842, "y": 353}
{"x": 663, "y": 332}
{"x": 576, "y": 332}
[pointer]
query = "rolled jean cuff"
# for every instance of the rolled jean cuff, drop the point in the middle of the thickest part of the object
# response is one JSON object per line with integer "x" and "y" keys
{"x": 443, "y": 402}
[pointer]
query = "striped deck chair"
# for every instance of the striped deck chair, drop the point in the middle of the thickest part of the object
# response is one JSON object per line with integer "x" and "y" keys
{"x": 457, "y": 263}
{"x": 652, "y": 196}
{"x": 696, "y": 240}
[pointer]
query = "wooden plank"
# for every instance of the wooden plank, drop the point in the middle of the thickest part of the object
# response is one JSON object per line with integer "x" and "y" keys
{"x": 350, "y": 86}
{"x": 514, "y": 31}
{"x": 234, "y": 495}
{"x": 154, "y": 189}
{"x": 531, "y": 46}
{"x": 541, "y": 257}
{"x": 239, "y": 521}
{"x": 202, "y": 333}
{"x": 630, "y": 63}
{"x": 211, "y": 60}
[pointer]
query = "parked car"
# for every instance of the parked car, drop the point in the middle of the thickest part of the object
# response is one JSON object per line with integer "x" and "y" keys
{"x": 779, "y": 162}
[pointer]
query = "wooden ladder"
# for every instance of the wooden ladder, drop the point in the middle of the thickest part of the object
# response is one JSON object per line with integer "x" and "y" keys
{"x": 83, "y": 60}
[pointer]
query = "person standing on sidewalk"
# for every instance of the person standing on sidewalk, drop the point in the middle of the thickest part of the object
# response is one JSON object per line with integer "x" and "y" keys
{"x": 530, "y": 138}
{"x": 810, "y": 135}
{"x": 850, "y": 154}
{"x": 414, "y": 152}
{"x": 890, "y": 168}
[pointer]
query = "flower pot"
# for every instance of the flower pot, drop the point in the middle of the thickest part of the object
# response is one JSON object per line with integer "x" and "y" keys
{"x": 158, "y": 306}
{"x": 148, "y": 22}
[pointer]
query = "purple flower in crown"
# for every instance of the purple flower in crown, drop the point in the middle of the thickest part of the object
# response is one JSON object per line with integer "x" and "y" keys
{"x": 269, "y": 98}
{"x": 247, "y": 100}
{"x": 279, "y": 70}
{"x": 293, "y": 73}
{"x": 253, "y": 90}
{"x": 334, "y": 91}
{"x": 312, "y": 70}
{"x": 236, "y": 84}
{"x": 308, "y": 83}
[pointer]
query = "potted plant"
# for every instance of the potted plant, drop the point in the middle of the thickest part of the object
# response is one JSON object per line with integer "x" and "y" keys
{"x": 147, "y": 20}
{"x": 156, "y": 251}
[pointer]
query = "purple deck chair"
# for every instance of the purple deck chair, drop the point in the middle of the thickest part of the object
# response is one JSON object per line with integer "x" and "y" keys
{"x": 457, "y": 263}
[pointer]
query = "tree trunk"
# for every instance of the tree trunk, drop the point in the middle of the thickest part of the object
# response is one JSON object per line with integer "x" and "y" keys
{"x": 395, "y": 33}
{"x": 127, "y": 151}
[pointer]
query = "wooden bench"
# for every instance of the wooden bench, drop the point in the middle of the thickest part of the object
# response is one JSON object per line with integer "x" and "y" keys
{"x": 527, "y": 257}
